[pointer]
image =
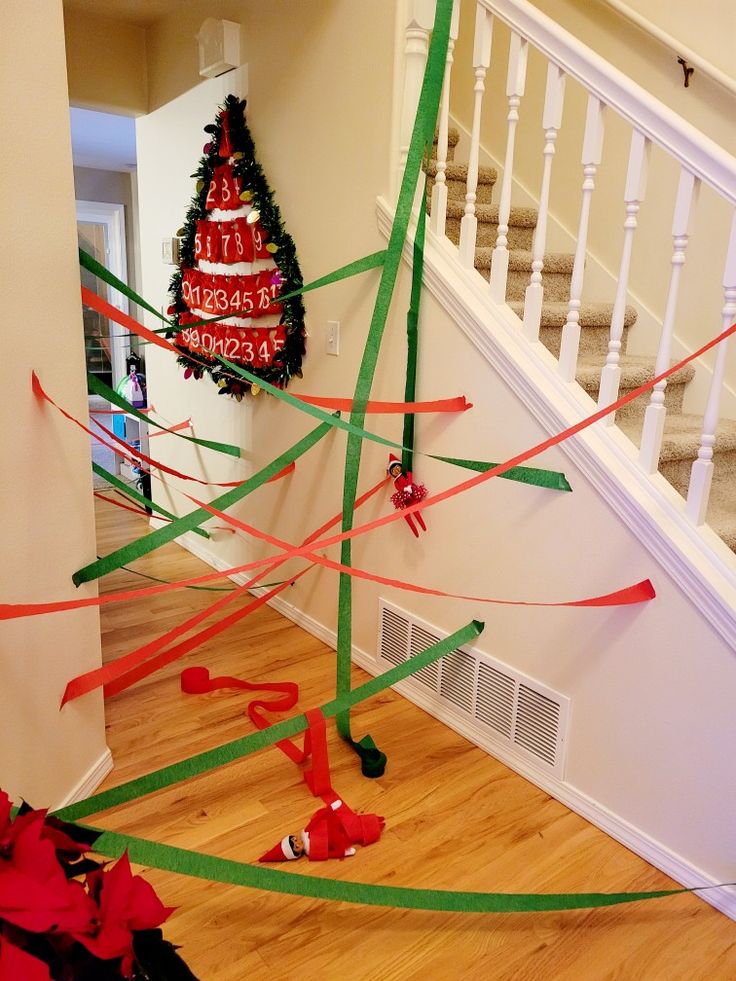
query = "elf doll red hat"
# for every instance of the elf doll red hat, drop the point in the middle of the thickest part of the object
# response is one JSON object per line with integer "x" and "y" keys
{"x": 331, "y": 833}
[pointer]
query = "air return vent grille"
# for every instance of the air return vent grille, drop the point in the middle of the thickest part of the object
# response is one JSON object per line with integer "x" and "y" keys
{"x": 490, "y": 702}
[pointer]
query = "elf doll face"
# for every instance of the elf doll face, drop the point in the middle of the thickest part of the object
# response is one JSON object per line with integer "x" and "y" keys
{"x": 297, "y": 845}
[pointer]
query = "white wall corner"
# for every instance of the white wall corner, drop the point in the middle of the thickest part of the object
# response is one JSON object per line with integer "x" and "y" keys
{"x": 89, "y": 782}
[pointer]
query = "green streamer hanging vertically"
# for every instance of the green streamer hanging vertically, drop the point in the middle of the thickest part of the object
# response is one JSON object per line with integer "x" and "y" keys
{"x": 422, "y": 135}
{"x": 412, "y": 333}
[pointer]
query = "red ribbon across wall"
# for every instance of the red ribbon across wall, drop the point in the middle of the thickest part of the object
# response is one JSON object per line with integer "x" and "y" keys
{"x": 123, "y": 672}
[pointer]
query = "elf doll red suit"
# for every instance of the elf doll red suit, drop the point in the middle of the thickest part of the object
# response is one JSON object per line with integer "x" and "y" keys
{"x": 407, "y": 493}
{"x": 331, "y": 833}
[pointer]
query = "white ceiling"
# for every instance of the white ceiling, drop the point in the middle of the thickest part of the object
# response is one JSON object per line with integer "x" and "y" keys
{"x": 140, "y": 12}
{"x": 102, "y": 141}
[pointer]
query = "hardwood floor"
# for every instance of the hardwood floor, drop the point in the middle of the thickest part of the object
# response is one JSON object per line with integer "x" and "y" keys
{"x": 455, "y": 819}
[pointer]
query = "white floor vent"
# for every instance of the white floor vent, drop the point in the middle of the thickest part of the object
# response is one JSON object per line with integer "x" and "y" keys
{"x": 485, "y": 699}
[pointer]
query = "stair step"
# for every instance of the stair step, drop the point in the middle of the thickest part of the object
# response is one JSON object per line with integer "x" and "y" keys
{"x": 522, "y": 222}
{"x": 556, "y": 273}
{"x": 721, "y": 514}
{"x": 635, "y": 371}
{"x": 680, "y": 446}
{"x": 453, "y": 137}
{"x": 456, "y": 176}
{"x": 595, "y": 327}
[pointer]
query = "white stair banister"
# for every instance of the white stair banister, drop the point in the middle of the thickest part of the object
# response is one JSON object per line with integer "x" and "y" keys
{"x": 439, "y": 190}
{"x": 551, "y": 122}
{"x": 515, "y": 84}
{"x": 701, "y": 474}
{"x": 481, "y": 63}
{"x": 419, "y": 21}
{"x": 590, "y": 159}
{"x": 656, "y": 411}
{"x": 634, "y": 192}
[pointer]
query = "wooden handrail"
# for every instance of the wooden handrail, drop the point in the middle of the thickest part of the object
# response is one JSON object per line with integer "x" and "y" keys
{"x": 702, "y": 156}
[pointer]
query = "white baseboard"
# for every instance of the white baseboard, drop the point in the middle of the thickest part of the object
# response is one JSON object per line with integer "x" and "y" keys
{"x": 89, "y": 782}
{"x": 633, "y": 838}
{"x": 651, "y": 850}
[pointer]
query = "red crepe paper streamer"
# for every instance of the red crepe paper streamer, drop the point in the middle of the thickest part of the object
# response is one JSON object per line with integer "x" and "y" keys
{"x": 638, "y": 593}
{"x": 124, "y": 449}
{"x": 125, "y": 671}
{"x": 332, "y": 830}
{"x": 130, "y": 677}
{"x": 127, "y": 507}
{"x": 458, "y": 404}
{"x": 9, "y": 611}
{"x": 186, "y": 424}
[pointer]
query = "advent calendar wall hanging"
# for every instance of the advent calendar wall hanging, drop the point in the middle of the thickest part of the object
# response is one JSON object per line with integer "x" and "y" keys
{"x": 236, "y": 261}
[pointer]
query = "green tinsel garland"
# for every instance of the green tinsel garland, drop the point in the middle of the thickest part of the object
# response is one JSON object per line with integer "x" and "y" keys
{"x": 288, "y": 361}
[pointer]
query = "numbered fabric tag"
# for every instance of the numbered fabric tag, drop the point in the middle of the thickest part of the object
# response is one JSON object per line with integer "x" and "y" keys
{"x": 255, "y": 347}
{"x": 244, "y": 296}
{"x": 224, "y": 190}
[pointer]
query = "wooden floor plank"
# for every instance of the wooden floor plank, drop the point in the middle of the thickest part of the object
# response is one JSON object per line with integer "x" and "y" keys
{"x": 455, "y": 819}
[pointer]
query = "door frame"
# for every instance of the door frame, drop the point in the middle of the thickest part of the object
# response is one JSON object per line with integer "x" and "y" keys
{"x": 113, "y": 217}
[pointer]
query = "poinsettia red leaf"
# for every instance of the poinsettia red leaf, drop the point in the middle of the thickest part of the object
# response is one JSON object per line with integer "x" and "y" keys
{"x": 35, "y": 907}
{"x": 16, "y": 964}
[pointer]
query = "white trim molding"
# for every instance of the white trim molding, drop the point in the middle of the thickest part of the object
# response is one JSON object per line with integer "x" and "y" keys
{"x": 633, "y": 838}
{"x": 89, "y": 782}
{"x": 643, "y": 845}
{"x": 699, "y": 562}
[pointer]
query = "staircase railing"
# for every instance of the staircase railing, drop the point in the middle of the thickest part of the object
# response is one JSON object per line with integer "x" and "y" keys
{"x": 699, "y": 160}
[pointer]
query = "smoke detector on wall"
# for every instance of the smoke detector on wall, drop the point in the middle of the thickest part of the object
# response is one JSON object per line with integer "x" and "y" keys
{"x": 219, "y": 47}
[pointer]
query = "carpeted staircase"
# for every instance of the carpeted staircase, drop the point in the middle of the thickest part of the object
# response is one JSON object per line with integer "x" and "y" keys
{"x": 682, "y": 431}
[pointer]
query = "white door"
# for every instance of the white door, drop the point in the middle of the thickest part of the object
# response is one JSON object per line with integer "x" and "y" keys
{"x": 101, "y": 232}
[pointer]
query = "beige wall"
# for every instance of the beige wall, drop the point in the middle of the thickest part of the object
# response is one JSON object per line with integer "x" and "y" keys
{"x": 708, "y": 28}
{"x": 106, "y": 63}
{"x": 649, "y": 685}
{"x": 705, "y": 105}
{"x": 46, "y": 491}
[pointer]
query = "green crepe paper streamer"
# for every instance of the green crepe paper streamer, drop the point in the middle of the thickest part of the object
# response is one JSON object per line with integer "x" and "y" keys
{"x": 527, "y": 475}
{"x": 553, "y": 479}
{"x": 371, "y": 261}
{"x": 100, "y": 388}
{"x": 208, "y": 589}
{"x": 412, "y": 335}
{"x": 147, "y": 543}
{"x": 169, "y": 858}
{"x": 97, "y": 269}
{"x": 139, "y": 498}
{"x": 422, "y": 136}
{"x": 237, "y": 749}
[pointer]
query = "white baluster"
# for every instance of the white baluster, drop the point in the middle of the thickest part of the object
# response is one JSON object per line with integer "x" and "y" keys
{"x": 515, "y": 83}
{"x": 636, "y": 181}
{"x": 656, "y": 411}
{"x": 481, "y": 63}
{"x": 418, "y": 27}
{"x": 590, "y": 159}
{"x": 439, "y": 190}
{"x": 551, "y": 121}
{"x": 701, "y": 474}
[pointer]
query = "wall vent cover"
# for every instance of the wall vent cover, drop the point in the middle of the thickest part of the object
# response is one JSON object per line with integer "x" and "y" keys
{"x": 489, "y": 700}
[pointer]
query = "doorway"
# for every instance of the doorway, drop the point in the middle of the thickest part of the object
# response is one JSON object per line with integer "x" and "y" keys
{"x": 101, "y": 233}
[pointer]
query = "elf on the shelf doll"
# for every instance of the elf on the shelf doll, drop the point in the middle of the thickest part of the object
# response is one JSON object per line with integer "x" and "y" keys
{"x": 407, "y": 493}
{"x": 331, "y": 833}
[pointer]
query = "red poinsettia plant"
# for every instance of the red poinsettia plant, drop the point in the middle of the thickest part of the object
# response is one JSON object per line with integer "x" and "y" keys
{"x": 67, "y": 917}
